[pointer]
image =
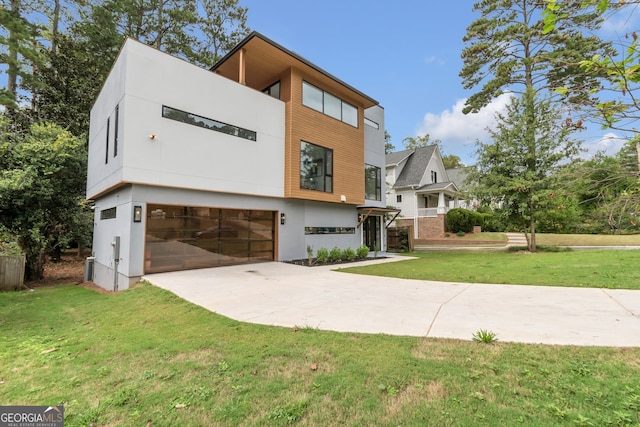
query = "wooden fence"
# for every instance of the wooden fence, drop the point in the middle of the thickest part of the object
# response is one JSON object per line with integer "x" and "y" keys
{"x": 12, "y": 272}
{"x": 400, "y": 238}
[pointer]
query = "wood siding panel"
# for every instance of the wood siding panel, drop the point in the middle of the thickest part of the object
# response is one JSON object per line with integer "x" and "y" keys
{"x": 346, "y": 141}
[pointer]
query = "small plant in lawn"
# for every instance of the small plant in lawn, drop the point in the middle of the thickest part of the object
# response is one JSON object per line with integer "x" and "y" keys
{"x": 322, "y": 255}
{"x": 460, "y": 233}
{"x": 348, "y": 254}
{"x": 335, "y": 254}
{"x": 362, "y": 252}
{"x": 309, "y": 254}
{"x": 484, "y": 336}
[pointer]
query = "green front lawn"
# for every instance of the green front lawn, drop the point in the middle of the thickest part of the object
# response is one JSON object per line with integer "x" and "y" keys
{"x": 615, "y": 269}
{"x": 145, "y": 357}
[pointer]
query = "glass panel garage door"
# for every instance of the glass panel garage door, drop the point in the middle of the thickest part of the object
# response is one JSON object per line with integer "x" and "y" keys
{"x": 183, "y": 238}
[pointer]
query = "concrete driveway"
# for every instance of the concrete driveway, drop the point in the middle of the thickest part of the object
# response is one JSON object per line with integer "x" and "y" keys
{"x": 287, "y": 295}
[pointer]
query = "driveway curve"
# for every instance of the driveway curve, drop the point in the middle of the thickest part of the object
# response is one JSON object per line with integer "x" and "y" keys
{"x": 287, "y": 295}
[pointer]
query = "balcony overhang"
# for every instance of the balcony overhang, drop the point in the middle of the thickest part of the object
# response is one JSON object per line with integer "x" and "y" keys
{"x": 367, "y": 211}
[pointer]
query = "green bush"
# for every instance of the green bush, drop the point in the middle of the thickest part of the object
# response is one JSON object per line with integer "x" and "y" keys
{"x": 322, "y": 255}
{"x": 362, "y": 252}
{"x": 335, "y": 254}
{"x": 459, "y": 219}
{"x": 348, "y": 254}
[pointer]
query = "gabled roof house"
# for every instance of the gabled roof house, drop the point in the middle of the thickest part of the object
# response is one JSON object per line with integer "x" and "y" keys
{"x": 258, "y": 159}
{"x": 418, "y": 184}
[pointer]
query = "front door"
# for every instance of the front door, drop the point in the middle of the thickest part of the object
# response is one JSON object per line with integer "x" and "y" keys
{"x": 372, "y": 232}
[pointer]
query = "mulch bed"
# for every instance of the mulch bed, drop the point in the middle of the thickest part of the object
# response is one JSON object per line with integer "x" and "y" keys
{"x": 315, "y": 263}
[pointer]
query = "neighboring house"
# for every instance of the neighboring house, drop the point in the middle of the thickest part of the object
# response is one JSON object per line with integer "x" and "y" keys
{"x": 258, "y": 159}
{"x": 459, "y": 176}
{"x": 418, "y": 185}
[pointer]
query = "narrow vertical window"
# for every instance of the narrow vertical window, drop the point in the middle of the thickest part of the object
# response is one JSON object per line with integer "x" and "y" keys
{"x": 372, "y": 182}
{"x": 115, "y": 132}
{"x": 106, "y": 157}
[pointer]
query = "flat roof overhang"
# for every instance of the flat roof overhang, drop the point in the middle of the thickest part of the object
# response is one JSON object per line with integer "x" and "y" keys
{"x": 257, "y": 60}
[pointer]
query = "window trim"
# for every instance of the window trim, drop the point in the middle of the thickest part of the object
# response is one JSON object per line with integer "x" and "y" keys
{"x": 115, "y": 131}
{"x": 371, "y": 123}
{"x": 269, "y": 88}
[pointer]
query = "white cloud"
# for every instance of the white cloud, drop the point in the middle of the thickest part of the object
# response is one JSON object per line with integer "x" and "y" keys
{"x": 609, "y": 143}
{"x": 458, "y": 131}
{"x": 434, "y": 60}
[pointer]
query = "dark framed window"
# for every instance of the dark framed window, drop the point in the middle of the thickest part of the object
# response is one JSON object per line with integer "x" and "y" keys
{"x": 329, "y": 230}
{"x": 372, "y": 182}
{"x": 108, "y": 213}
{"x": 326, "y": 103}
{"x": 316, "y": 167}
{"x": 434, "y": 177}
{"x": 106, "y": 151}
{"x": 204, "y": 122}
{"x": 115, "y": 131}
{"x": 399, "y": 198}
{"x": 273, "y": 90}
{"x": 371, "y": 123}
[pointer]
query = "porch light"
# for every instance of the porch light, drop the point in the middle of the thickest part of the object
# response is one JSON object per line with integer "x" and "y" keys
{"x": 137, "y": 214}
{"x": 283, "y": 218}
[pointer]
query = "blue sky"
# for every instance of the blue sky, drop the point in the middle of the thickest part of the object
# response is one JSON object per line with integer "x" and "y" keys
{"x": 403, "y": 53}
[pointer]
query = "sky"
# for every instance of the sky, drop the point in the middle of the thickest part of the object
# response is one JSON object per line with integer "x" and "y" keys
{"x": 406, "y": 55}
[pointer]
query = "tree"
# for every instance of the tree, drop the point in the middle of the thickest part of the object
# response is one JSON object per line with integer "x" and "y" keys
{"x": 507, "y": 50}
{"x": 42, "y": 180}
{"x": 411, "y": 143}
{"x": 19, "y": 51}
{"x": 388, "y": 146}
{"x": 517, "y": 168}
{"x": 223, "y": 26}
{"x": 451, "y": 161}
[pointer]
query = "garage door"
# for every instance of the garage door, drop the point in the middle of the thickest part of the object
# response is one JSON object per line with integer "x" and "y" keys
{"x": 183, "y": 237}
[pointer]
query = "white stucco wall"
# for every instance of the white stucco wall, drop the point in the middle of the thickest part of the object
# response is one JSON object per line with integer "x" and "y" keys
{"x": 182, "y": 155}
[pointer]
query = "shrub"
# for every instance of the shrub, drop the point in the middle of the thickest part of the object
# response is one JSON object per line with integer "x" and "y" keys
{"x": 362, "y": 252}
{"x": 459, "y": 219}
{"x": 322, "y": 255}
{"x": 460, "y": 233}
{"x": 348, "y": 254}
{"x": 335, "y": 254}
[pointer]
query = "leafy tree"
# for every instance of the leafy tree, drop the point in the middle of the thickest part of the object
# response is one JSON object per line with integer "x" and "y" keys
{"x": 517, "y": 168}
{"x": 388, "y": 146}
{"x": 418, "y": 142}
{"x": 42, "y": 180}
{"x": 223, "y": 25}
{"x": 451, "y": 161}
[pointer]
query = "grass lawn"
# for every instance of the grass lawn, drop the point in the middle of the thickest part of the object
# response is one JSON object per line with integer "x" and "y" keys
{"x": 587, "y": 239}
{"x": 614, "y": 269}
{"x": 145, "y": 357}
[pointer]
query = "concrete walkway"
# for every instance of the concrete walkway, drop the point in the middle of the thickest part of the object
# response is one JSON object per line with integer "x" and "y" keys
{"x": 287, "y": 295}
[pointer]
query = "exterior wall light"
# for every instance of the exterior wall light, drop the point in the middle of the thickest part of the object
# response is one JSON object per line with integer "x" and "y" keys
{"x": 137, "y": 214}
{"x": 283, "y": 218}
{"x": 153, "y": 136}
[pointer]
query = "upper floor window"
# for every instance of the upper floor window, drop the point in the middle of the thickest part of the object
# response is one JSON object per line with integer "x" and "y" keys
{"x": 399, "y": 198}
{"x": 193, "y": 119}
{"x": 372, "y": 182}
{"x": 106, "y": 152}
{"x": 371, "y": 123}
{"x": 328, "y": 104}
{"x": 115, "y": 131}
{"x": 434, "y": 177}
{"x": 273, "y": 90}
{"x": 316, "y": 167}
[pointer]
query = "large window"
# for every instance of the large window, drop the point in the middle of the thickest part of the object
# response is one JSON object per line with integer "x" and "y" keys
{"x": 328, "y": 104}
{"x": 316, "y": 167}
{"x": 193, "y": 119}
{"x": 273, "y": 90}
{"x": 372, "y": 182}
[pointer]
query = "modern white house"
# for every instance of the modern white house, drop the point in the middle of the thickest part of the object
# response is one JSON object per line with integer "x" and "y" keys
{"x": 258, "y": 159}
{"x": 418, "y": 184}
